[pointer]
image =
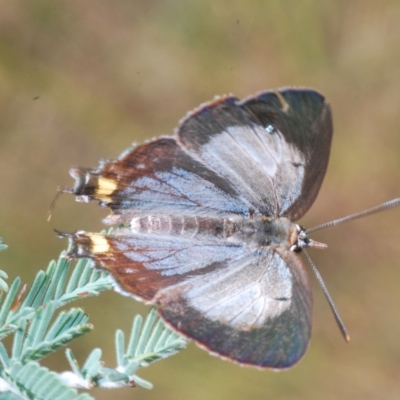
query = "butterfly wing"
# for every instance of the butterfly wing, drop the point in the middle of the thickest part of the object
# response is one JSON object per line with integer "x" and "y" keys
{"x": 251, "y": 307}
{"x": 143, "y": 264}
{"x": 256, "y": 312}
{"x": 158, "y": 177}
{"x": 273, "y": 148}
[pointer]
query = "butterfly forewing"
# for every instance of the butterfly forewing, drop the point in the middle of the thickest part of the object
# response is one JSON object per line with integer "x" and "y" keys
{"x": 304, "y": 119}
{"x": 257, "y": 313}
{"x": 274, "y": 148}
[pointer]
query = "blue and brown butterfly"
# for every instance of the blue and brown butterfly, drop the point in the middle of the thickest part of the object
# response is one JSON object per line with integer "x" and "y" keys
{"x": 205, "y": 222}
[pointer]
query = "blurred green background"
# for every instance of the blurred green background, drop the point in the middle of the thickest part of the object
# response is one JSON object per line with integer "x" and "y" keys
{"x": 81, "y": 80}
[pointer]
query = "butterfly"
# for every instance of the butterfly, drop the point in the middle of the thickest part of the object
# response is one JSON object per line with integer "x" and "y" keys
{"x": 205, "y": 223}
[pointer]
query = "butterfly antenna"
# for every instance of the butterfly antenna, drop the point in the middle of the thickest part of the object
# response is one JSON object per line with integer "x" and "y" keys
{"x": 339, "y": 321}
{"x": 384, "y": 206}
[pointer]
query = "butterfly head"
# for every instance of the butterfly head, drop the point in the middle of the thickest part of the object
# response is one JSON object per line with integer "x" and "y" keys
{"x": 299, "y": 240}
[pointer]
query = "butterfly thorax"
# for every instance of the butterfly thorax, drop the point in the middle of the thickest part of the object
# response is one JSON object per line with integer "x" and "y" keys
{"x": 265, "y": 232}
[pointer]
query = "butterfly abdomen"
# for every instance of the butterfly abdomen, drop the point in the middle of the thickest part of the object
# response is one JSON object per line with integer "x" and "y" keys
{"x": 186, "y": 226}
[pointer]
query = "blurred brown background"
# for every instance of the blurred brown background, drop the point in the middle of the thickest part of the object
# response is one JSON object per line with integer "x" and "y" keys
{"x": 82, "y": 79}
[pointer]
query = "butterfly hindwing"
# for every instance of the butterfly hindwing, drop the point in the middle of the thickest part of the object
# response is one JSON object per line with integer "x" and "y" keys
{"x": 159, "y": 177}
{"x": 143, "y": 264}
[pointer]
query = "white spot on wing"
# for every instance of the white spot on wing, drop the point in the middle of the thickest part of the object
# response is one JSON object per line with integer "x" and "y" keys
{"x": 269, "y": 128}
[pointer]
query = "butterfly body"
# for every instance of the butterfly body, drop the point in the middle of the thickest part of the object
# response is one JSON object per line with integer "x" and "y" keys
{"x": 253, "y": 233}
{"x": 205, "y": 219}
